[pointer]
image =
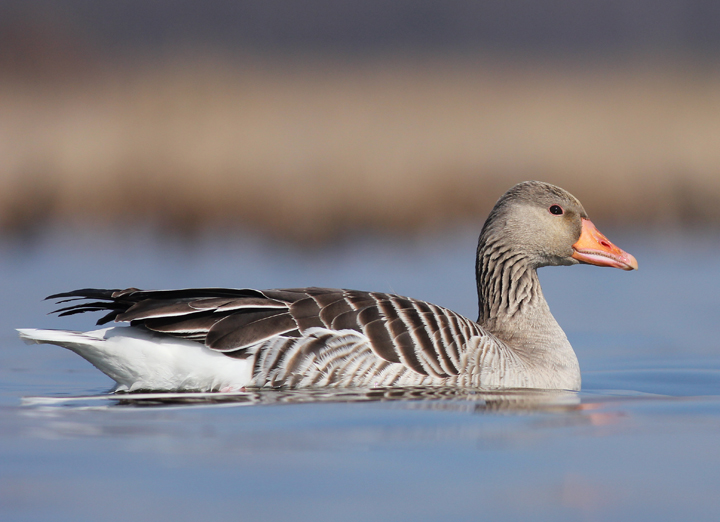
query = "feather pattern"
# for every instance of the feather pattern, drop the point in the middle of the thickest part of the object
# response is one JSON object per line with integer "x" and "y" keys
{"x": 303, "y": 336}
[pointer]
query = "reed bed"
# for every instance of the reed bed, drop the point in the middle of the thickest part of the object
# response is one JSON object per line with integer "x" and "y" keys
{"x": 312, "y": 148}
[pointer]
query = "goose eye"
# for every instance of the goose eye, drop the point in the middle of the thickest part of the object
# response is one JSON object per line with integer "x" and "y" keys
{"x": 556, "y": 210}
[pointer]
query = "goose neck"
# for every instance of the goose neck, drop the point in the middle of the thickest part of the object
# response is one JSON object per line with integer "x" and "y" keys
{"x": 507, "y": 284}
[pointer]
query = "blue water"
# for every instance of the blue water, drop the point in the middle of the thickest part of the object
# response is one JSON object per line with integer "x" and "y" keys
{"x": 640, "y": 442}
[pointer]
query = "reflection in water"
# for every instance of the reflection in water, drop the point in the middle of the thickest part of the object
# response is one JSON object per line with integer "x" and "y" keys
{"x": 328, "y": 420}
{"x": 426, "y": 397}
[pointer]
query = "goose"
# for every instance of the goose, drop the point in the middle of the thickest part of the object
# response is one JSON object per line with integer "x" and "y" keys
{"x": 225, "y": 340}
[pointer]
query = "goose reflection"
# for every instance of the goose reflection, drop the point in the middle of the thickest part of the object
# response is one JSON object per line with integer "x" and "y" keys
{"x": 415, "y": 397}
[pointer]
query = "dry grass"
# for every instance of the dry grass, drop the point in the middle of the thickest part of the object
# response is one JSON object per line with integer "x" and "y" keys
{"x": 311, "y": 150}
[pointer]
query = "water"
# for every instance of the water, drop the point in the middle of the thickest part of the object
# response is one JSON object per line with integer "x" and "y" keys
{"x": 640, "y": 442}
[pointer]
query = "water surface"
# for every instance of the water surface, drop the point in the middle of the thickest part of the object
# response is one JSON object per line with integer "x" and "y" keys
{"x": 639, "y": 442}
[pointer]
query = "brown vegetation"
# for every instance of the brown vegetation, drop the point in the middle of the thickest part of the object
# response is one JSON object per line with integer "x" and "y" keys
{"x": 311, "y": 148}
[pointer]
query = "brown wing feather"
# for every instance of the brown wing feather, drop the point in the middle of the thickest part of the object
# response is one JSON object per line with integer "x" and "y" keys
{"x": 330, "y": 311}
{"x": 306, "y": 313}
{"x": 154, "y": 308}
{"x": 240, "y": 330}
{"x": 346, "y": 321}
{"x": 423, "y": 337}
{"x": 382, "y": 344}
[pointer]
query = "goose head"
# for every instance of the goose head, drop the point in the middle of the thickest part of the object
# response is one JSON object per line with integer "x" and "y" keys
{"x": 547, "y": 225}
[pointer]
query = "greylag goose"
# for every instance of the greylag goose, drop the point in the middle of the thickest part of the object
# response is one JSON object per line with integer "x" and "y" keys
{"x": 214, "y": 339}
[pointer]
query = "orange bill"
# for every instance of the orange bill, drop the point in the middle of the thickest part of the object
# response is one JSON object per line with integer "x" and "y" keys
{"x": 594, "y": 248}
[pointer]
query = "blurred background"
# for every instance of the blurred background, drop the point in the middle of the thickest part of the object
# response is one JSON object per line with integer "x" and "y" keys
{"x": 309, "y": 120}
